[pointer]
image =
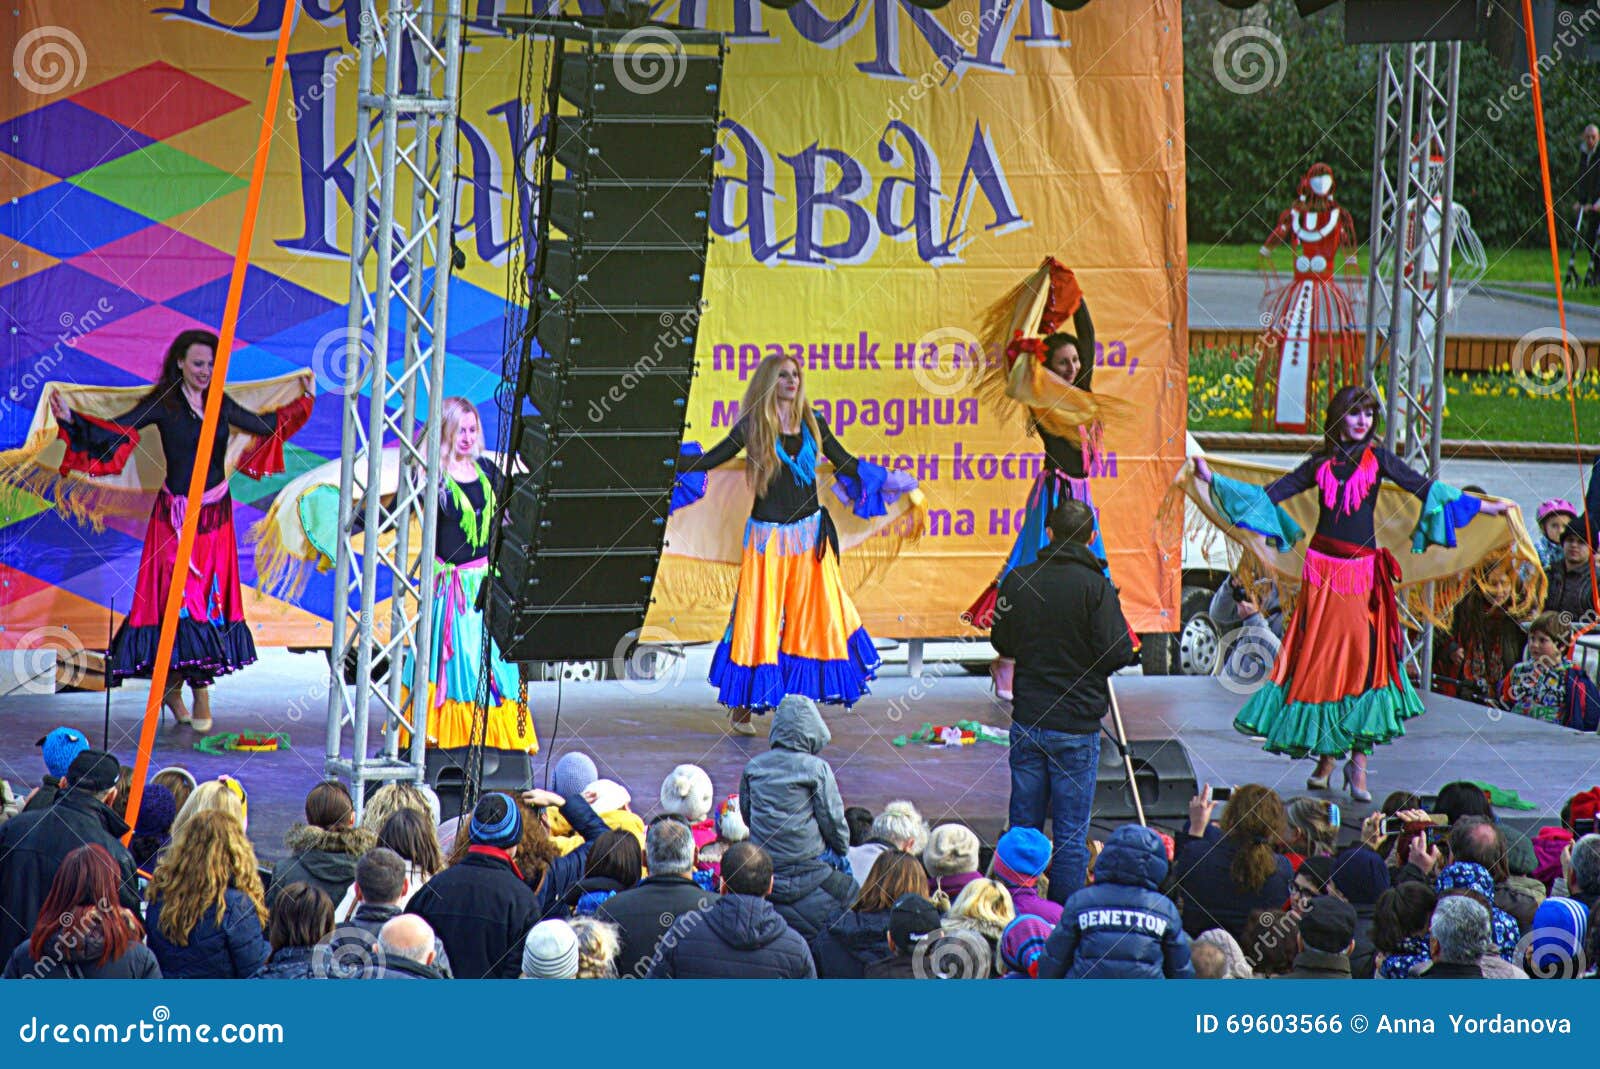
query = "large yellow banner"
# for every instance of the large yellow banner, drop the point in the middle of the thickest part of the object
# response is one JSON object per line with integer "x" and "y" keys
{"x": 884, "y": 173}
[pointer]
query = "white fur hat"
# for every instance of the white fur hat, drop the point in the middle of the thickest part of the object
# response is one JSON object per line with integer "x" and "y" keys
{"x": 609, "y": 795}
{"x": 686, "y": 792}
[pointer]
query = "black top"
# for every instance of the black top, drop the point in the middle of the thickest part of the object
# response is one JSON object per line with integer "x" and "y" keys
{"x": 1588, "y": 184}
{"x": 450, "y": 544}
{"x": 786, "y": 500}
{"x": 180, "y": 436}
{"x": 1061, "y": 454}
{"x": 1355, "y": 528}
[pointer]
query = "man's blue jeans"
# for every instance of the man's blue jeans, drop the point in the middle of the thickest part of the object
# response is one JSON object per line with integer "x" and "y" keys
{"x": 1053, "y": 773}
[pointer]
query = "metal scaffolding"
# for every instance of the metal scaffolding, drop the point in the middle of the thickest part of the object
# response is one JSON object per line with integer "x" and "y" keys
{"x": 403, "y": 213}
{"x": 1409, "y": 257}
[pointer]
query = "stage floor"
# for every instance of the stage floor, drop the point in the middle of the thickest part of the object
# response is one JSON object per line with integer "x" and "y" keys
{"x": 637, "y": 732}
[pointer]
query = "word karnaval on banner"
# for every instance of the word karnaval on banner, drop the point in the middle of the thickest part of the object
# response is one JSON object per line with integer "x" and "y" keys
{"x": 849, "y": 196}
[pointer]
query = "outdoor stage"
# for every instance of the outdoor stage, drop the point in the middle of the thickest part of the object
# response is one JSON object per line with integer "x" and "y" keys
{"x": 637, "y": 733}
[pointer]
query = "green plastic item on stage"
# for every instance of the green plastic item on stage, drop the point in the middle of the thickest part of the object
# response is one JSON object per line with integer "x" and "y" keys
{"x": 927, "y": 733}
{"x": 244, "y": 742}
{"x": 1501, "y": 798}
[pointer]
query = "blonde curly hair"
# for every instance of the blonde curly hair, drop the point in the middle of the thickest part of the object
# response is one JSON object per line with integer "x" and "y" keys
{"x": 599, "y": 943}
{"x": 210, "y": 855}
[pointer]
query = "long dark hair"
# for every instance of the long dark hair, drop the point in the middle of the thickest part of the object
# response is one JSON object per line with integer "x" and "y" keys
{"x": 411, "y": 835}
{"x": 83, "y": 899}
{"x": 1348, "y": 400}
{"x": 168, "y": 387}
{"x": 1084, "y": 380}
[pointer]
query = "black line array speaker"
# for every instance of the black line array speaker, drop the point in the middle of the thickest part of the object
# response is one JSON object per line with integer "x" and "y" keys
{"x": 603, "y": 381}
{"x": 1161, "y": 769}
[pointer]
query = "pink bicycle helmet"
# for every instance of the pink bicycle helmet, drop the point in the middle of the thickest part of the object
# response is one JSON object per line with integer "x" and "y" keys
{"x": 1556, "y": 506}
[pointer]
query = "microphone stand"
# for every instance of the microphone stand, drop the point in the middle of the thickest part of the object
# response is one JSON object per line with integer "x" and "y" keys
{"x": 1120, "y": 741}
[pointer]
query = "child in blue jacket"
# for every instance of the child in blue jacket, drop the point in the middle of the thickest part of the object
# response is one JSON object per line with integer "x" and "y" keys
{"x": 1121, "y": 926}
{"x": 1547, "y": 686}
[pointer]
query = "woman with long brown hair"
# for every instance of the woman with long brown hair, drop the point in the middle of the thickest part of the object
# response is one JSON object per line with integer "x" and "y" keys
{"x": 1339, "y": 684}
{"x": 792, "y": 629}
{"x": 206, "y": 913}
{"x": 857, "y": 938}
{"x": 1225, "y": 875}
{"x": 83, "y": 933}
{"x": 213, "y": 637}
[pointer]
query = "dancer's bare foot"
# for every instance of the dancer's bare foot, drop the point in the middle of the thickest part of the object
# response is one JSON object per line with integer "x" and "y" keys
{"x": 739, "y": 722}
{"x": 202, "y": 709}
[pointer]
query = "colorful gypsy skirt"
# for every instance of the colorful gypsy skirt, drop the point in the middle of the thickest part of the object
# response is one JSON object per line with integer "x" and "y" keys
{"x": 456, "y": 669}
{"x": 1051, "y": 488}
{"x": 793, "y": 629}
{"x": 1338, "y": 684}
{"x": 213, "y": 638}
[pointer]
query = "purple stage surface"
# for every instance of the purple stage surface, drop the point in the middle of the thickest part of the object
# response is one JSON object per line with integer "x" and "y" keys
{"x": 637, "y": 731}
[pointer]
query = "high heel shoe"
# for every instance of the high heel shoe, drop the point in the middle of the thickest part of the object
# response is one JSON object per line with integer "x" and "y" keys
{"x": 1359, "y": 794}
{"x": 1315, "y": 784}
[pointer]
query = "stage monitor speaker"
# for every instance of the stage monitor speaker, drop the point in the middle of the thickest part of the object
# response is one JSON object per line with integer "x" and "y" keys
{"x": 595, "y": 399}
{"x": 446, "y": 772}
{"x": 1376, "y": 22}
{"x": 1163, "y": 772}
{"x": 625, "y": 276}
{"x": 631, "y": 213}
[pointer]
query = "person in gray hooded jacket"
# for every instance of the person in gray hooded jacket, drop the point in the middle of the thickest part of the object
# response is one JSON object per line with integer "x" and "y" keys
{"x": 791, "y": 804}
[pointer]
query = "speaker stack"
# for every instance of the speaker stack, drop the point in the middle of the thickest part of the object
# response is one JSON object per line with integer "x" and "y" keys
{"x": 603, "y": 382}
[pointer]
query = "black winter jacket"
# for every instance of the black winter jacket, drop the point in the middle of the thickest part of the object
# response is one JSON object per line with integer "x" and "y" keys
{"x": 32, "y": 846}
{"x": 741, "y": 937}
{"x": 1060, "y": 619}
{"x": 481, "y": 909}
{"x": 63, "y": 960}
{"x": 852, "y": 942}
{"x": 1206, "y": 890}
{"x": 567, "y": 870}
{"x": 810, "y": 897}
{"x": 322, "y": 857}
{"x": 233, "y": 949}
{"x": 644, "y": 913}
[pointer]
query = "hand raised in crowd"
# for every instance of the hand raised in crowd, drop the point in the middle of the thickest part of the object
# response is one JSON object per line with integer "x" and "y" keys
{"x": 539, "y": 799}
{"x": 59, "y": 409}
{"x": 1200, "y": 807}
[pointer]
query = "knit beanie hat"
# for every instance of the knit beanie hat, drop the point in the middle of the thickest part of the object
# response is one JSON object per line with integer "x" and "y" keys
{"x": 1559, "y": 926}
{"x": 496, "y": 821}
{"x": 60, "y": 747}
{"x": 686, "y": 792}
{"x": 550, "y": 952}
{"x": 156, "y": 812}
{"x": 1520, "y": 858}
{"x": 1022, "y": 943}
{"x": 1021, "y": 856}
{"x": 952, "y": 849}
{"x": 730, "y": 822}
{"x": 609, "y": 796}
{"x": 573, "y": 773}
{"x": 1238, "y": 966}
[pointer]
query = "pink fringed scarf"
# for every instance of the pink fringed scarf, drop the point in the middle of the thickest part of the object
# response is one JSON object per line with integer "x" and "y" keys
{"x": 1356, "y": 488}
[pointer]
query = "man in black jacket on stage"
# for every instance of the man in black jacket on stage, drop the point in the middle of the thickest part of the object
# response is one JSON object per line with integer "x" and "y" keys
{"x": 1060, "y": 619}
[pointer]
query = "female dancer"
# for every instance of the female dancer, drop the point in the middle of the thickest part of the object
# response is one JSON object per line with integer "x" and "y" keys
{"x": 1339, "y": 685}
{"x": 793, "y": 629}
{"x": 468, "y": 498}
{"x": 1063, "y": 411}
{"x": 213, "y": 638}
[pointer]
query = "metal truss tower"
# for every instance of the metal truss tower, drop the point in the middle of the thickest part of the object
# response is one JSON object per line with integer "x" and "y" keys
{"x": 404, "y": 209}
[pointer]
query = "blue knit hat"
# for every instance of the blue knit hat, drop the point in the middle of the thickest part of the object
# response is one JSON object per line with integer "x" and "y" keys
{"x": 1021, "y": 855}
{"x": 1559, "y": 925}
{"x": 496, "y": 821}
{"x": 157, "y": 811}
{"x": 573, "y": 773}
{"x": 60, "y": 747}
{"x": 1023, "y": 942}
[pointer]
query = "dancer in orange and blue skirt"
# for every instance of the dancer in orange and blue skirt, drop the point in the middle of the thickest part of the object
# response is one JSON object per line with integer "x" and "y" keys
{"x": 793, "y": 629}
{"x": 1339, "y": 684}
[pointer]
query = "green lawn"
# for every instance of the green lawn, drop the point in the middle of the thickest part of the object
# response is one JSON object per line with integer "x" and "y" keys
{"x": 1483, "y": 407}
